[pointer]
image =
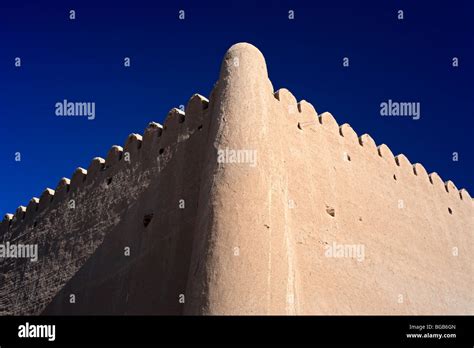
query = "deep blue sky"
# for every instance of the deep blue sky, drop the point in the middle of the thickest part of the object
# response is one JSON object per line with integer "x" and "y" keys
{"x": 81, "y": 60}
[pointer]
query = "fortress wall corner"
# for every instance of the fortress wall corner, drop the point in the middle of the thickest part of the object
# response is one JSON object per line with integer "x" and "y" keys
{"x": 239, "y": 208}
{"x": 240, "y": 204}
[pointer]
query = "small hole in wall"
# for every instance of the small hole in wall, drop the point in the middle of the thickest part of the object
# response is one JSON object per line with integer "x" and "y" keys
{"x": 161, "y": 151}
{"x": 109, "y": 181}
{"x": 35, "y": 223}
{"x": 330, "y": 211}
{"x": 394, "y": 177}
{"x": 450, "y": 211}
{"x": 147, "y": 219}
{"x": 200, "y": 127}
{"x": 348, "y": 157}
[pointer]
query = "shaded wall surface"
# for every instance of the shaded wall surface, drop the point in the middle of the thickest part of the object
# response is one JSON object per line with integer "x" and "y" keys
{"x": 301, "y": 216}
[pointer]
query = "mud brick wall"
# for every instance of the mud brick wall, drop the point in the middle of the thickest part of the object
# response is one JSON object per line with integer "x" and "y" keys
{"x": 250, "y": 239}
{"x": 84, "y": 226}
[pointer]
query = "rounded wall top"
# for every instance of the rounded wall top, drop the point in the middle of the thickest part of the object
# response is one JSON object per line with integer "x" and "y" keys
{"x": 246, "y": 56}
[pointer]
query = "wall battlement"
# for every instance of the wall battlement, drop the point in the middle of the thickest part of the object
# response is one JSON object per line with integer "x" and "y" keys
{"x": 160, "y": 226}
{"x": 307, "y": 114}
{"x": 306, "y": 117}
{"x": 174, "y": 131}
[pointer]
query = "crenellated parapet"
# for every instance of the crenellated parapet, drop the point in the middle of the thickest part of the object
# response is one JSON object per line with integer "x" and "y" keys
{"x": 178, "y": 127}
{"x": 304, "y": 115}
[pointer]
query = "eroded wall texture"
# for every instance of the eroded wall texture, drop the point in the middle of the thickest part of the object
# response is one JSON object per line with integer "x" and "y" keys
{"x": 302, "y": 216}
